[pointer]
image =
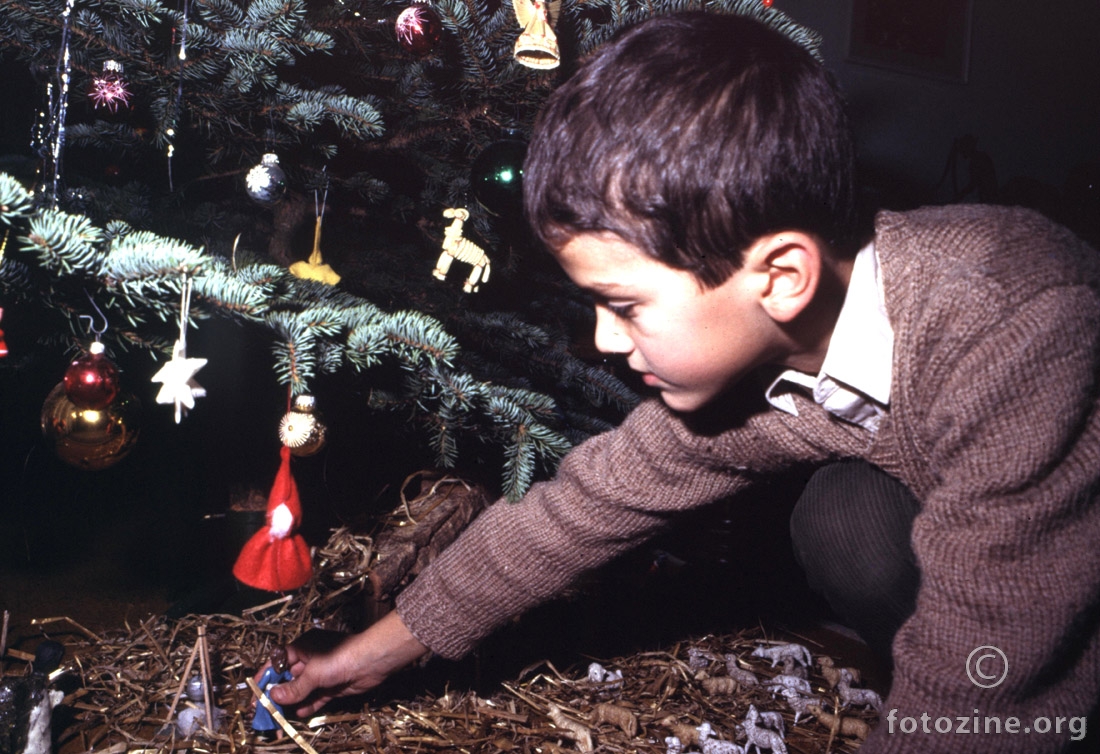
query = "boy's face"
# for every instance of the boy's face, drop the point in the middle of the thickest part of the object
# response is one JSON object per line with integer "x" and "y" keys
{"x": 688, "y": 342}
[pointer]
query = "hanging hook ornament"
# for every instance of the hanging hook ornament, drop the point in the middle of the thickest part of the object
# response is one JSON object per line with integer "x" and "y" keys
{"x": 91, "y": 320}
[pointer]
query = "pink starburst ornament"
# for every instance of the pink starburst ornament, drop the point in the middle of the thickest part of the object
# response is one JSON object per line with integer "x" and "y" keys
{"x": 109, "y": 89}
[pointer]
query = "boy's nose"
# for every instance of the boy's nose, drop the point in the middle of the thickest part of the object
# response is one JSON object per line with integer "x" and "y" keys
{"x": 610, "y": 337}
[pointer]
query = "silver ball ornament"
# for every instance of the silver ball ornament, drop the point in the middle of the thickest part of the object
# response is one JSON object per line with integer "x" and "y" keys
{"x": 266, "y": 182}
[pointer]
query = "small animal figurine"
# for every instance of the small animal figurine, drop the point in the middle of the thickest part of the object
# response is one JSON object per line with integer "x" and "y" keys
{"x": 831, "y": 673}
{"x": 759, "y": 737}
{"x": 780, "y": 682}
{"x": 710, "y": 744}
{"x": 620, "y": 717}
{"x": 779, "y": 652}
{"x": 840, "y": 725}
{"x": 774, "y": 720}
{"x": 799, "y": 704}
{"x": 744, "y": 677}
{"x": 457, "y": 246}
{"x": 611, "y": 679}
{"x": 698, "y": 658}
{"x": 850, "y": 696}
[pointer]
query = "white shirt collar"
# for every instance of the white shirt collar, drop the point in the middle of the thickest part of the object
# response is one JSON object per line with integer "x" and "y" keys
{"x": 854, "y": 382}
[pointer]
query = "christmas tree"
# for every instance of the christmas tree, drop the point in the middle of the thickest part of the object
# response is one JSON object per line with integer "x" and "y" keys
{"x": 298, "y": 170}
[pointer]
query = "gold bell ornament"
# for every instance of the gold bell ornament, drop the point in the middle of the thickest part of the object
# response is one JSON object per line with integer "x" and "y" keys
{"x": 537, "y": 45}
{"x": 302, "y": 428}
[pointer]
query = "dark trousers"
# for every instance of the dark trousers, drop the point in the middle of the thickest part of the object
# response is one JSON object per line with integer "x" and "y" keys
{"x": 851, "y": 529}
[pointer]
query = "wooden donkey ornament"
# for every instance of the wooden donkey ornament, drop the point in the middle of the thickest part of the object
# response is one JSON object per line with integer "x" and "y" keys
{"x": 457, "y": 246}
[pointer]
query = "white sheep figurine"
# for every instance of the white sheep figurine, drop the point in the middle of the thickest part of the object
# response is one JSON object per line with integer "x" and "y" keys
{"x": 850, "y": 696}
{"x": 457, "y": 246}
{"x": 798, "y": 703}
{"x": 780, "y": 652}
{"x": 759, "y": 737}
{"x": 611, "y": 679}
{"x": 711, "y": 744}
{"x": 744, "y": 677}
{"x": 780, "y": 682}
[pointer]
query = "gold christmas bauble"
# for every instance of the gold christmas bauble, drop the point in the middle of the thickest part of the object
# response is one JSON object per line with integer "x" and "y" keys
{"x": 91, "y": 439}
{"x": 302, "y": 428}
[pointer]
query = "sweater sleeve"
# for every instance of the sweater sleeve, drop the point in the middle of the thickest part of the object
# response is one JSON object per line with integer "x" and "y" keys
{"x": 1007, "y": 539}
{"x": 609, "y": 494}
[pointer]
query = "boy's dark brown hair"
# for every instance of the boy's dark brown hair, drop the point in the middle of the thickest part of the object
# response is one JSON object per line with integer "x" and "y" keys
{"x": 690, "y": 136}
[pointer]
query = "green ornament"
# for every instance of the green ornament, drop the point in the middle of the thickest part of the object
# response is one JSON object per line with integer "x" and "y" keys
{"x": 496, "y": 176}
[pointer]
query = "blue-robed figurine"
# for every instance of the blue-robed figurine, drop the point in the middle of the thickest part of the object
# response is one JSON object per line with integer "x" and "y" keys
{"x": 262, "y": 721}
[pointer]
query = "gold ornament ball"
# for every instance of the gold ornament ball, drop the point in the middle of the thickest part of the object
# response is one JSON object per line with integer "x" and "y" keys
{"x": 91, "y": 439}
{"x": 302, "y": 428}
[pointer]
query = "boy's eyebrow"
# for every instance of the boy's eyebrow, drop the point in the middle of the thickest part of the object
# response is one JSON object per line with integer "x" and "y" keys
{"x": 604, "y": 289}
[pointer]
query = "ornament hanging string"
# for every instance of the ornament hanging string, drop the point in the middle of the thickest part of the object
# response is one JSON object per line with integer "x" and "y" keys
{"x": 185, "y": 310}
{"x": 320, "y": 200}
{"x": 319, "y": 203}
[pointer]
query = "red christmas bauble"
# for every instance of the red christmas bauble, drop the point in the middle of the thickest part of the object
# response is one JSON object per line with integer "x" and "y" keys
{"x": 419, "y": 29}
{"x": 91, "y": 381}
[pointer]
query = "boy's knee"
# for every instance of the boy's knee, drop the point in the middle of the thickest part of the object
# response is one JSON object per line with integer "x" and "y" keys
{"x": 851, "y": 528}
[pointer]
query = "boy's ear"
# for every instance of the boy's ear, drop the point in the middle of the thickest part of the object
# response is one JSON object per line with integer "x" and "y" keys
{"x": 790, "y": 267}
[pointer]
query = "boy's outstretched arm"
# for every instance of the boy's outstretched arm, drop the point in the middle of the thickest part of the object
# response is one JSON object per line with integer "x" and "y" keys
{"x": 326, "y": 665}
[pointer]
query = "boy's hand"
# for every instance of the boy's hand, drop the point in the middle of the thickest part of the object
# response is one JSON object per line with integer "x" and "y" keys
{"x": 326, "y": 664}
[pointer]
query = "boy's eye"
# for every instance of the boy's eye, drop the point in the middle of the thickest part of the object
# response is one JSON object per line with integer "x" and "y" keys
{"x": 622, "y": 311}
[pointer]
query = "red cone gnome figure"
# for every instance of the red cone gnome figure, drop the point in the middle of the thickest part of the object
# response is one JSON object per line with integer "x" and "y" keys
{"x": 276, "y": 558}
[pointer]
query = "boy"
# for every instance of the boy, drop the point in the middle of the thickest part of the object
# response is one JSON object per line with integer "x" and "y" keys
{"x": 696, "y": 177}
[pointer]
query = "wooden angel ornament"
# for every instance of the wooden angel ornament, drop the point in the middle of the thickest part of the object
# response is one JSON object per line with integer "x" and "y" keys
{"x": 537, "y": 45}
{"x": 457, "y": 246}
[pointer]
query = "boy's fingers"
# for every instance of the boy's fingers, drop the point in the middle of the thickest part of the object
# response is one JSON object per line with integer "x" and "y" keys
{"x": 290, "y": 692}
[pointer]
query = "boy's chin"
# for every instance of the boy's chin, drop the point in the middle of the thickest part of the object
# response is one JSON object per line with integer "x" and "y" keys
{"x": 685, "y": 403}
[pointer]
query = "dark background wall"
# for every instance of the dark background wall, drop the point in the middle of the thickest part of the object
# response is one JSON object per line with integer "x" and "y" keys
{"x": 1032, "y": 96}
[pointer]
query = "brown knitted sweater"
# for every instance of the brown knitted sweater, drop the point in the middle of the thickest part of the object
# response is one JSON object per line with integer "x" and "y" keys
{"x": 993, "y": 424}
